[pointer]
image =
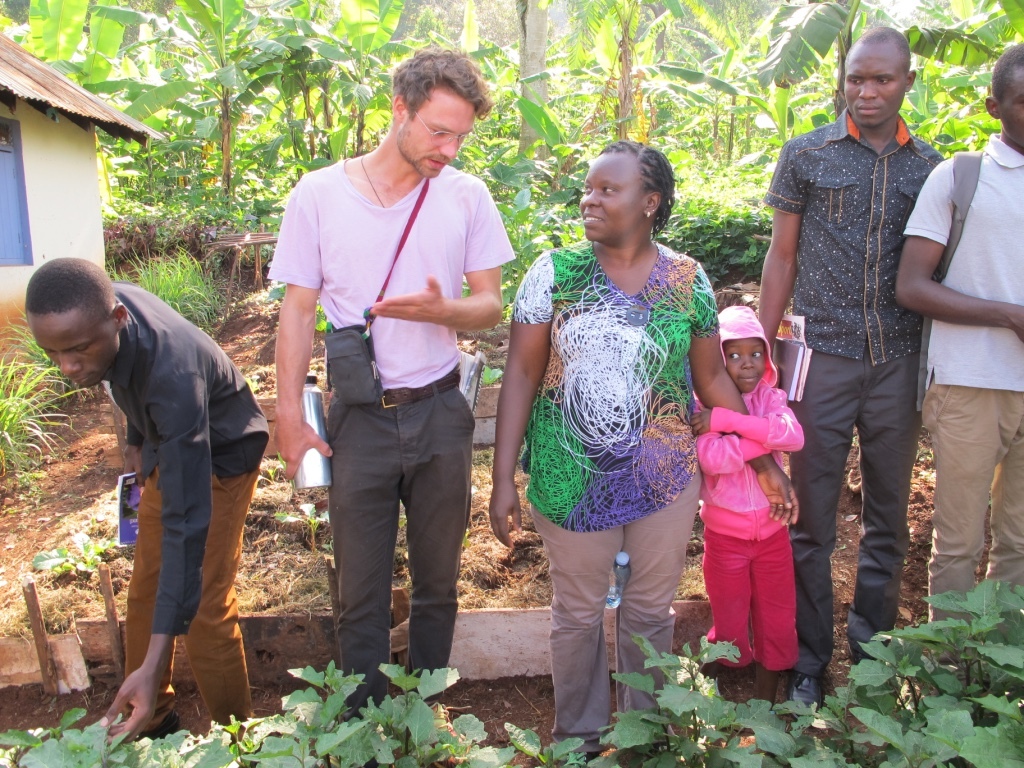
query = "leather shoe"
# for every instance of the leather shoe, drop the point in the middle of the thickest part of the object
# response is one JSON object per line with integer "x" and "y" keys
{"x": 804, "y": 689}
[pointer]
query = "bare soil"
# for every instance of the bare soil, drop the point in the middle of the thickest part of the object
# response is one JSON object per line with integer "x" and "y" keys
{"x": 283, "y": 567}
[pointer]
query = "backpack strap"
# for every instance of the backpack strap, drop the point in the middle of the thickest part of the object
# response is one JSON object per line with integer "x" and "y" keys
{"x": 966, "y": 170}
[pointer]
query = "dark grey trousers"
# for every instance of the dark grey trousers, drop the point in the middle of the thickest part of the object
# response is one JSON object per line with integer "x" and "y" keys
{"x": 841, "y": 394}
{"x": 420, "y": 455}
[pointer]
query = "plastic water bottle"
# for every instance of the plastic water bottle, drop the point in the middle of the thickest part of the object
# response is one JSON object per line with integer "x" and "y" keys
{"x": 620, "y": 575}
{"x": 315, "y": 468}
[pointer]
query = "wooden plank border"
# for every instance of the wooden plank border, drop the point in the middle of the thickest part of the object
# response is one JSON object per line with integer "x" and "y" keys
{"x": 489, "y": 643}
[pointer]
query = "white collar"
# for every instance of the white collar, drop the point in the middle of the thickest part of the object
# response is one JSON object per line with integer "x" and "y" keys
{"x": 1003, "y": 154}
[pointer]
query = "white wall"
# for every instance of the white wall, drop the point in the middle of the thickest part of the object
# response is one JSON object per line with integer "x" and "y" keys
{"x": 62, "y": 187}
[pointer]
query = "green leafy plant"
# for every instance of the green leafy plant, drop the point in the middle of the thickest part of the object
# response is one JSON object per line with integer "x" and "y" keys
{"x": 85, "y": 558}
{"x": 403, "y": 730}
{"x": 945, "y": 693}
{"x": 557, "y": 753}
{"x": 63, "y": 745}
{"x": 181, "y": 282}
{"x": 273, "y": 471}
{"x": 692, "y": 724}
{"x": 948, "y": 690}
{"x": 491, "y": 376}
{"x": 309, "y": 517}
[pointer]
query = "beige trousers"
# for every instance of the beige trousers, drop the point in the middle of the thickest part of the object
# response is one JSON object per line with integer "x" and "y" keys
{"x": 978, "y": 439}
{"x": 580, "y": 565}
{"x": 214, "y": 640}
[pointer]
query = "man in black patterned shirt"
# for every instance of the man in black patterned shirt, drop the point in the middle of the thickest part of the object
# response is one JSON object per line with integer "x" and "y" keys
{"x": 842, "y": 195}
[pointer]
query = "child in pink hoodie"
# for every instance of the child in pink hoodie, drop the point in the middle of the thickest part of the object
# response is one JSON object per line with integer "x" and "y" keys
{"x": 748, "y": 561}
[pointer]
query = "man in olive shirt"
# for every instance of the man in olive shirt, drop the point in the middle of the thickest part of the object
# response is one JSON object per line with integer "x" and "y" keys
{"x": 842, "y": 195}
{"x": 196, "y": 437}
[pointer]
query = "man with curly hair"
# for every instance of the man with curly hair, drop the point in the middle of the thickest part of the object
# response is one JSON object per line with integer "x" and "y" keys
{"x": 411, "y": 444}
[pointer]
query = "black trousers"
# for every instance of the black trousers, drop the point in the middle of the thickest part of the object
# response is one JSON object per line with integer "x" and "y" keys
{"x": 418, "y": 454}
{"x": 879, "y": 401}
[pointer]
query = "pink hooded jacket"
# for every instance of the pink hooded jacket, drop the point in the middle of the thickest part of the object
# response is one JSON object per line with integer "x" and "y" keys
{"x": 734, "y": 503}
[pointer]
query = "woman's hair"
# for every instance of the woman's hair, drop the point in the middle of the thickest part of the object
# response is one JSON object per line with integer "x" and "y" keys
{"x": 452, "y": 71}
{"x": 66, "y": 284}
{"x": 656, "y": 171}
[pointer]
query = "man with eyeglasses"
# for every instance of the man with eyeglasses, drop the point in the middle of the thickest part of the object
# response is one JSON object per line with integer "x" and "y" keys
{"x": 413, "y": 446}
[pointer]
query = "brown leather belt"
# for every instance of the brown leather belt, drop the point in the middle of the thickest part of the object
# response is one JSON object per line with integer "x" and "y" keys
{"x": 406, "y": 395}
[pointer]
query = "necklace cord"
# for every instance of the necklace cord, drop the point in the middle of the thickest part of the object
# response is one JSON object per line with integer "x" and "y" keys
{"x": 362, "y": 164}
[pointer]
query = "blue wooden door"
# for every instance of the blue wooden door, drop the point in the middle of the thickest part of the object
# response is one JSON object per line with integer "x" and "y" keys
{"x": 14, "y": 241}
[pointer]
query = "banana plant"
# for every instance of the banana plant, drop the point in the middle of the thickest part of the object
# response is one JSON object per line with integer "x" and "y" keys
{"x": 57, "y": 28}
{"x": 223, "y": 56}
{"x": 802, "y": 35}
{"x": 59, "y": 35}
{"x": 369, "y": 26}
{"x": 971, "y": 33}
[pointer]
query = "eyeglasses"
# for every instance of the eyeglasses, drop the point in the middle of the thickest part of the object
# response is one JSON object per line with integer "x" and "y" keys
{"x": 444, "y": 137}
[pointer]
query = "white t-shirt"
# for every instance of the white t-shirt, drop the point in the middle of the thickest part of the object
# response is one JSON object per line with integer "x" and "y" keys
{"x": 988, "y": 264}
{"x": 336, "y": 241}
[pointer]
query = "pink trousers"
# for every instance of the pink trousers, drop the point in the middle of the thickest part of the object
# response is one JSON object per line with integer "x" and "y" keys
{"x": 752, "y": 591}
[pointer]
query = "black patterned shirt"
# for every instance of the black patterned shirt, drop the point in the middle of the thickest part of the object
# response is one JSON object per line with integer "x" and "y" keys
{"x": 855, "y": 204}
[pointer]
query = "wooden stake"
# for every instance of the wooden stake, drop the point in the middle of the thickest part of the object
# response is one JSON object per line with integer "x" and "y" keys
{"x": 333, "y": 588}
{"x": 113, "y": 623}
{"x": 35, "y": 617}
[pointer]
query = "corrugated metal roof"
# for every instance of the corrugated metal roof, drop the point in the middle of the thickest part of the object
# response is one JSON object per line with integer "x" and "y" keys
{"x": 30, "y": 79}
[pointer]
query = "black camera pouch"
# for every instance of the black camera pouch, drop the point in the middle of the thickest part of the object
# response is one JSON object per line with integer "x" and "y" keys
{"x": 351, "y": 367}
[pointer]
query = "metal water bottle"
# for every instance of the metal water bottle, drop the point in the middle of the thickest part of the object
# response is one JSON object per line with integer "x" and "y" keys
{"x": 620, "y": 575}
{"x": 315, "y": 468}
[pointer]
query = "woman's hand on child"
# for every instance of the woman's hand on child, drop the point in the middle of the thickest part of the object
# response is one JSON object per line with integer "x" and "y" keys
{"x": 700, "y": 422}
{"x": 783, "y": 504}
{"x": 779, "y": 513}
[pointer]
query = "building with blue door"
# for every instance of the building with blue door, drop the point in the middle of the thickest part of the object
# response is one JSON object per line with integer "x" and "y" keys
{"x": 49, "y": 185}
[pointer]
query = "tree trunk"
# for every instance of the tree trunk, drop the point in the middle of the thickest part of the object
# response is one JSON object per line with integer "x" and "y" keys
{"x": 533, "y": 44}
{"x": 843, "y": 45}
{"x": 310, "y": 119}
{"x": 625, "y": 85}
{"x": 225, "y": 141}
{"x": 328, "y": 118}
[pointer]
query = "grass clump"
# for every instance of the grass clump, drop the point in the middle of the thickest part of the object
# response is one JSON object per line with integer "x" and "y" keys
{"x": 29, "y": 392}
{"x": 179, "y": 281}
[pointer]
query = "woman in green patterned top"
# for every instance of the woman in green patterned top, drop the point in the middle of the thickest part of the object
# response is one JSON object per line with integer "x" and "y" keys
{"x": 610, "y": 339}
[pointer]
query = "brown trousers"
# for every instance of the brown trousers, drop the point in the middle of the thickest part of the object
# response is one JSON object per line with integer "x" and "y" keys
{"x": 214, "y": 640}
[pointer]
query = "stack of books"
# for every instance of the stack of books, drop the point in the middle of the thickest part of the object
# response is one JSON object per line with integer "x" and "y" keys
{"x": 792, "y": 356}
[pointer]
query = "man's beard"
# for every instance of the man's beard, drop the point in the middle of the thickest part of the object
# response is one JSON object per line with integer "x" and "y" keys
{"x": 420, "y": 163}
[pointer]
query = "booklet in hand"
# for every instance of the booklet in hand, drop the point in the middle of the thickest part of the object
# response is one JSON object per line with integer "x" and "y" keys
{"x": 792, "y": 356}
{"x": 129, "y": 494}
